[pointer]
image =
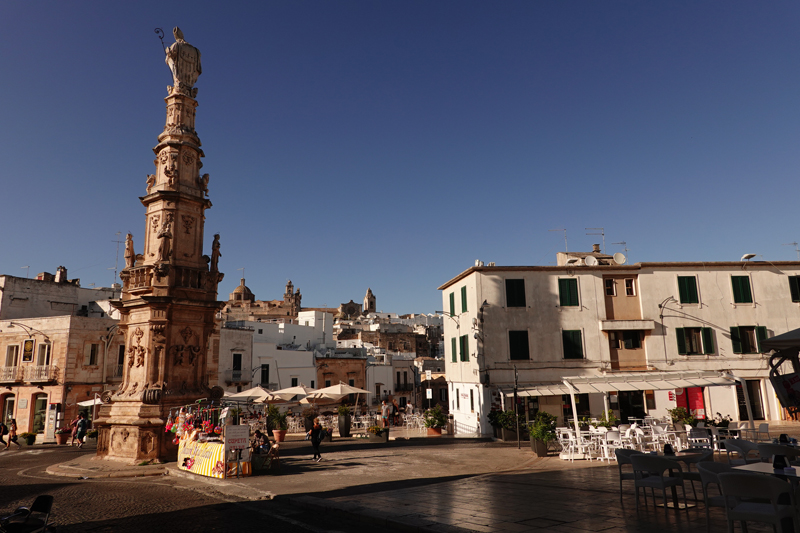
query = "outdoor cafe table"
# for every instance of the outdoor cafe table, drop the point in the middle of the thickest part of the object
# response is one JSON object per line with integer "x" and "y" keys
{"x": 766, "y": 468}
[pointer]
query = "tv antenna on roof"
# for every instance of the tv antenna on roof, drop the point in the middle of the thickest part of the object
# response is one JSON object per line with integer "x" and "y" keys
{"x": 603, "y": 233}
{"x": 116, "y": 259}
{"x": 27, "y": 269}
{"x": 624, "y": 245}
{"x": 566, "y": 249}
{"x": 796, "y": 249}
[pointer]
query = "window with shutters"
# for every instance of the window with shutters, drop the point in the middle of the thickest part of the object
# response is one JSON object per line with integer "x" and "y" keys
{"x": 92, "y": 355}
{"x": 568, "y": 292}
{"x": 625, "y": 340}
{"x": 464, "y": 347}
{"x": 452, "y": 303}
{"x": 265, "y": 375}
{"x": 515, "y": 293}
{"x": 748, "y": 339}
{"x": 611, "y": 286}
{"x": 687, "y": 290}
{"x": 463, "y": 299}
{"x": 630, "y": 287}
{"x": 695, "y": 341}
{"x": 741, "y": 290}
{"x": 794, "y": 288}
{"x": 518, "y": 345}
{"x": 294, "y": 382}
{"x": 453, "y": 354}
{"x": 573, "y": 345}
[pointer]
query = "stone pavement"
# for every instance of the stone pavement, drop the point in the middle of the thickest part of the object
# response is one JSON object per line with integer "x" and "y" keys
{"x": 457, "y": 485}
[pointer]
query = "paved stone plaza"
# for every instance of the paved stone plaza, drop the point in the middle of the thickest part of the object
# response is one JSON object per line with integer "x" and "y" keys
{"x": 419, "y": 484}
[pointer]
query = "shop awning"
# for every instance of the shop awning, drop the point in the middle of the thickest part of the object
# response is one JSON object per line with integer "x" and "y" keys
{"x": 624, "y": 382}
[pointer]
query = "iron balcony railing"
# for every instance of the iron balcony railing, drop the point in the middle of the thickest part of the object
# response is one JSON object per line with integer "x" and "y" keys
{"x": 9, "y": 374}
{"x": 114, "y": 371}
{"x": 238, "y": 376}
{"x": 40, "y": 373}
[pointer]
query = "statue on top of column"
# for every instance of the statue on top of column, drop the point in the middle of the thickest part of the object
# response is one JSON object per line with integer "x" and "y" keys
{"x": 183, "y": 60}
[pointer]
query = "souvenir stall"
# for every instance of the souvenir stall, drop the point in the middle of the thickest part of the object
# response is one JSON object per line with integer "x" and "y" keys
{"x": 209, "y": 441}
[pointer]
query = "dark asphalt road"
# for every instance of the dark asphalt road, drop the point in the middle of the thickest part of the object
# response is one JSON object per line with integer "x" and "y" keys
{"x": 149, "y": 503}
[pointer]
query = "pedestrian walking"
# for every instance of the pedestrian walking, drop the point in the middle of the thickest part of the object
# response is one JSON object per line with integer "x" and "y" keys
{"x": 315, "y": 433}
{"x": 74, "y": 432}
{"x": 395, "y": 413}
{"x": 385, "y": 414}
{"x": 12, "y": 434}
{"x": 3, "y": 432}
{"x": 81, "y": 427}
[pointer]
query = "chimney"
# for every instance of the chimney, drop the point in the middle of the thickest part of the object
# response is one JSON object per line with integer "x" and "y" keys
{"x": 61, "y": 275}
{"x": 595, "y": 248}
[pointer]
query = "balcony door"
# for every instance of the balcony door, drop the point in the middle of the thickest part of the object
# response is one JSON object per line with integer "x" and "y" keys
{"x": 8, "y": 407}
{"x": 43, "y": 357}
{"x": 39, "y": 413}
{"x": 12, "y": 355}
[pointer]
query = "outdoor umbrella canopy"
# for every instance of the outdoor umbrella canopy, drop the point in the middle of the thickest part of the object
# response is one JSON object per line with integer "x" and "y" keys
{"x": 256, "y": 394}
{"x": 341, "y": 390}
{"x": 291, "y": 392}
{"x": 788, "y": 340}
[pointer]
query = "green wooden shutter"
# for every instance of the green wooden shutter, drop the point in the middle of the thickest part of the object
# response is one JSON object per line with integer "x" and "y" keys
{"x": 708, "y": 341}
{"x": 761, "y": 336}
{"x": 794, "y": 288}
{"x": 573, "y": 347}
{"x": 453, "y": 355}
{"x": 452, "y": 303}
{"x": 568, "y": 292}
{"x": 687, "y": 289}
{"x": 741, "y": 290}
{"x": 463, "y": 299}
{"x": 737, "y": 289}
{"x": 736, "y": 341}
{"x": 681, "y": 335}
{"x": 466, "y": 348}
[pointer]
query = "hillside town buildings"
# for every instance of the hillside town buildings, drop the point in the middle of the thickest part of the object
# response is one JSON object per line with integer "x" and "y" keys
{"x": 640, "y": 339}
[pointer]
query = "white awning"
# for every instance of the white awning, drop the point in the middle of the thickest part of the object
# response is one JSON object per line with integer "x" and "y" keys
{"x": 625, "y": 382}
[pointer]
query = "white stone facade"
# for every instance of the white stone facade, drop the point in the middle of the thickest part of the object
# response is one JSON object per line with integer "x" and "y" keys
{"x": 614, "y": 305}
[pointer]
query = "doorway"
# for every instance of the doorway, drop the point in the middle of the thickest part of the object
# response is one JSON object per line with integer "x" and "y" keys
{"x": 8, "y": 407}
{"x": 39, "y": 413}
{"x": 756, "y": 403}
{"x": 631, "y": 405}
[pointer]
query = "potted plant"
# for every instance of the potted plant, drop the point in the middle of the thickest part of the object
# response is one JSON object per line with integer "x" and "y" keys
{"x": 542, "y": 430}
{"x": 29, "y": 438}
{"x": 680, "y": 416}
{"x": 508, "y": 426}
{"x": 344, "y": 420}
{"x": 435, "y": 420}
{"x": 91, "y": 434}
{"x": 308, "y": 414}
{"x": 494, "y": 421}
{"x": 63, "y": 435}
{"x": 277, "y": 421}
{"x": 607, "y": 420}
{"x": 378, "y": 434}
{"x": 328, "y": 434}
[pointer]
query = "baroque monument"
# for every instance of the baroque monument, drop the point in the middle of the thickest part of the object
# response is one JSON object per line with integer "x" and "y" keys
{"x": 169, "y": 295}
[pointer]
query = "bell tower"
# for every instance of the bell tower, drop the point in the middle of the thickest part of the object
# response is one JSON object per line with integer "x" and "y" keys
{"x": 169, "y": 294}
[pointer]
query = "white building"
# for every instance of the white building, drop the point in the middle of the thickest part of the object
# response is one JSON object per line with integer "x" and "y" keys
{"x": 598, "y": 322}
{"x": 274, "y": 355}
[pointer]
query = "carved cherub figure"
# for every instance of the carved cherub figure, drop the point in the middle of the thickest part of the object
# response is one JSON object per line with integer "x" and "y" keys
{"x": 203, "y": 180}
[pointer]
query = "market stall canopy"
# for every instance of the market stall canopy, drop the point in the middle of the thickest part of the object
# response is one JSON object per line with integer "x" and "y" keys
{"x": 90, "y": 403}
{"x": 291, "y": 392}
{"x": 256, "y": 394}
{"x": 625, "y": 382}
{"x": 784, "y": 341}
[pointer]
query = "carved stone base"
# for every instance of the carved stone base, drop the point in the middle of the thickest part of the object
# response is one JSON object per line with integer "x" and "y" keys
{"x": 136, "y": 434}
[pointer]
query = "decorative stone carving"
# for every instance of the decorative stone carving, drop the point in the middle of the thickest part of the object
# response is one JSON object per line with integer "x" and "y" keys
{"x": 183, "y": 60}
{"x": 151, "y": 182}
{"x": 154, "y": 221}
{"x": 188, "y": 222}
{"x": 147, "y": 443}
{"x": 169, "y": 161}
{"x": 165, "y": 234}
{"x": 187, "y": 334}
{"x": 188, "y": 158}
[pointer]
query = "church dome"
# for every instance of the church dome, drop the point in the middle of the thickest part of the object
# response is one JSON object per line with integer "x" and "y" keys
{"x": 241, "y": 293}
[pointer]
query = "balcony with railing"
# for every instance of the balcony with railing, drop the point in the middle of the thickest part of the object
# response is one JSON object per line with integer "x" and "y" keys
{"x": 401, "y": 387}
{"x": 238, "y": 376}
{"x": 114, "y": 372}
{"x": 10, "y": 374}
{"x": 41, "y": 373}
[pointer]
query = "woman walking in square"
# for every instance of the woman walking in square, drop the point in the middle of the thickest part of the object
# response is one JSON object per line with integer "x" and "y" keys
{"x": 316, "y": 437}
{"x": 12, "y": 434}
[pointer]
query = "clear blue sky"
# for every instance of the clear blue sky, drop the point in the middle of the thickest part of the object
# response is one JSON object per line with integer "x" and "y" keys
{"x": 390, "y": 144}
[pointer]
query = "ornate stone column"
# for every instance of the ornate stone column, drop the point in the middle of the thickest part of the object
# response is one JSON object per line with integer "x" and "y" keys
{"x": 169, "y": 295}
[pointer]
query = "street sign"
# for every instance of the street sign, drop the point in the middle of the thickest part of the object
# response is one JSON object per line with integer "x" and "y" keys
{"x": 237, "y": 437}
{"x": 428, "y": 394}
{"x": 428, "y": 375}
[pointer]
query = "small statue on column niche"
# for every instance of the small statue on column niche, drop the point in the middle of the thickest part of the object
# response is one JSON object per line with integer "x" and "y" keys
{"x": 183, "y": 60}
{"x": 215, "y": 254}
{"x": 151, "y": 182}
{"x": 165, "y": 234}
{"x": 203, "y": 181}
{"x": 130, "y": 255}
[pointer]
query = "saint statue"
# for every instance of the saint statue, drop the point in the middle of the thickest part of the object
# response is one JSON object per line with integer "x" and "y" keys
{"x": 130, "y": 255}
{"x": 183, "y": 60}
{"x": 165, "y": 234}
{"x": 215, "y": 254}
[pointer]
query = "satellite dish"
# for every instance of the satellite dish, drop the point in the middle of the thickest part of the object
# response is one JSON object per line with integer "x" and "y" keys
{"x": 619, "y": 258}
{"x": 590, "y": 260}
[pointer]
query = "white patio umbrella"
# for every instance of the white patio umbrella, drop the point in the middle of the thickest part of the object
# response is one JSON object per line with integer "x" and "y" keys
{"x": 256, "y": 394}
{"x": 341, "y": 390}
{"x": 291, "y": 392}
